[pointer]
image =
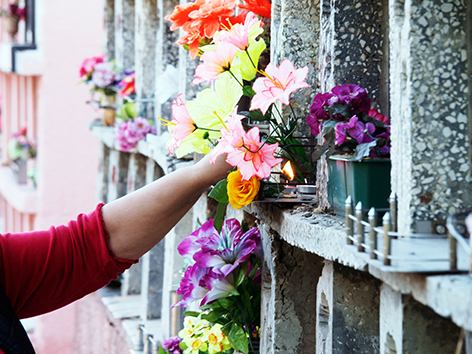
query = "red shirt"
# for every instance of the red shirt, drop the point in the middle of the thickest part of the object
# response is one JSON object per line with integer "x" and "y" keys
{"x": 42, "y": 271}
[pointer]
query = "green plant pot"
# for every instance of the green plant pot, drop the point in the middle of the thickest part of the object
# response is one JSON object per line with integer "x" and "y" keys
{"x": 367, "y": 181}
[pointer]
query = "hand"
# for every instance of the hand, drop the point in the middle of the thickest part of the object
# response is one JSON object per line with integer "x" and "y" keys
{"x": 214, "y": 172}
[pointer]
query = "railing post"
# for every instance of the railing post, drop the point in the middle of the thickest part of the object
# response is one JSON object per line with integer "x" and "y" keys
{"x": 139, "y": 338}
{"x": 349, "y": 221}
{"x": 360, "y": 228}
{"x": 393, "y": 211}
{"x": 372, "y": 215}
{"x": 148, "y": 344}
{"x": 387, "y": 240}
{"x": 452, "y": 251}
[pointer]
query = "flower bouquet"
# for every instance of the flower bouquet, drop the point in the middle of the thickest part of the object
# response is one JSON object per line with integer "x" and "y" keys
{"x": 20, "y": 149}
{"x": 344, "y": 117}
{"x": 256, "y": 140}
{"x": 223, "y": 275}
{"x": 12, "y": 15}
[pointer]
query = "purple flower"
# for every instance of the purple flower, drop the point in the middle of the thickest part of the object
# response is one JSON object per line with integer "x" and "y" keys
{"x": 192, "y": 286}
{"x": 320, "y": 101}
{"x": 315, "y": 123}
{"x": 219, "y": 286}
{"x": 362, "y": 132}
{"x": 172, "y": 345}
{"x": 342, "y": 130}
{"x": 129, "y": 133}
{"x": 225, "y": 251}
{"x": 103, "y": 75}
{"x": 355, "y": 95}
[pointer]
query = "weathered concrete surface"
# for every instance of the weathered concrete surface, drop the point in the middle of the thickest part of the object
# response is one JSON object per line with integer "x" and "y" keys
{"x": 321, "y": 234}
{"x": 289, "y": 280}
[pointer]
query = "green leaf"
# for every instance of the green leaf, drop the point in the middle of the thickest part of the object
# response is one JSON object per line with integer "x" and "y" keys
{"x": 363, "y": 150}
{"x": 220, "y": 216}
{"x": 272, "y": 190}
{"x": 161, "y": 351}
{"x": 220, "y": 192}
{"x": 214, "y": 315}
{"x": 192, "y": 313}
{"x": 368, "y": 119}
{"x": 131, "y": 110}
{"x": 238, "y": 339}
{"x": 340, "y": 108}
{"x": 240, "y": 274}
{"x": 248, "y": 91}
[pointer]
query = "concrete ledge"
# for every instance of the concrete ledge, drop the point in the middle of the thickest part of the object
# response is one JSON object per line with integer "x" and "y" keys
{"x": 28, "y": 62}
{"x": 22, "y": 197}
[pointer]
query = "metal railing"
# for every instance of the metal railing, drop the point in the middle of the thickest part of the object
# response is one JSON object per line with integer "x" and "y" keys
{"x": 374, "y": 239}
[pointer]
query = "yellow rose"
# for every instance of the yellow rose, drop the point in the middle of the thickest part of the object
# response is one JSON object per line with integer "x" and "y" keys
{"x": 241, "y": 192}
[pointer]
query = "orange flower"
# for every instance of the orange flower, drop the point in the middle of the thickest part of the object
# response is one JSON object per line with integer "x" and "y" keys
{"x": 181, "y": 13}
{"x": 242, "y": 192}
{"x": 208, "y": 17}
{"x": 259, "y": 7}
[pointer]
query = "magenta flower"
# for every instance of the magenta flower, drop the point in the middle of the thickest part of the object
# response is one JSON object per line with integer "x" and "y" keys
{"x": 362, "y": 132}
{"x": 277, "y": 85}
{"x": 103, "y": 75}
{"x": 342, "y": 130}
{"x": 215, "y": 62}
{"x": 192, "y": 286}
{"x": 355, "y": 95}
{"x": 172, "y": 345}
{"x": 88, "y": 65}
{"x": 219, "y": 286}
{"x": 129, "y": 133}
{"x": 321, "y": 101}
{"x": 379, "y": 116}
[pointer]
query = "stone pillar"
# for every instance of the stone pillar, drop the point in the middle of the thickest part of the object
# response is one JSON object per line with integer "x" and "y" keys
{"x": 152, "y": 265}
{"x": 131, "y": 283}
{"x": 110, "y": 29}
{"x": 124, "y": 33}
{"x": 117, "y": 174}
{"x": 146, "y": 24}
{"x": 430, "y": 99}
{"x": 102, "y": 178}
{"x": 391, "y": 321}
{"x": 352, "y": 51}
{"x": 288, "y": 310}
{"x": 348, "y": 311}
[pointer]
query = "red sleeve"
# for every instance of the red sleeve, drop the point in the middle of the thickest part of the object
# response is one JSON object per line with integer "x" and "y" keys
{"x": 42, "y": 271}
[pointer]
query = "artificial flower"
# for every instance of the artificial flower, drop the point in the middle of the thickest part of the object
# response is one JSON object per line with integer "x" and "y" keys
{"x": 249, "y": 58}
{"x": 219, "y": 286}
{"x": 240, "y": 192}
{"x": 216, "y": 339}
{"x": 181, "y": 13}
{"x": 259, "y": 7}
{"x": 215, "y": 62}
{"x": 240, "y": 35}
{"x": 171, "y": 345}
{"x": 211, "y": 14}
{"x": 362, "y": 132}
{"x": 181, "y": 126}
{"x": 195, "y": 345}
{"x": 191, "y": 287}
{"x": 224, "y": 251}
{"x": 354, "y": 95}
{"x": 342, "y": 130}
{"x": 277, "y": 84}
{"x": 88, "y": 65}
{"x": 129, "y": 133}
{"x": 103, "y": 75}
{"x": 127, "y": 85}
{"x": 374, "y": 113}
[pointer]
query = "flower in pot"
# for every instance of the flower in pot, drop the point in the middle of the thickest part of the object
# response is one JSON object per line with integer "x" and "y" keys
{"x": 358, "y": 138}
{"x": 12, "y": 16}
{"x": 19, "y": 150}
{"x": 103, "y": 77}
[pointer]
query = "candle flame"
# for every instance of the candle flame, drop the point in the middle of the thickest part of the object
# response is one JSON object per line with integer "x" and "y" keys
{"x": 288, "y": 170}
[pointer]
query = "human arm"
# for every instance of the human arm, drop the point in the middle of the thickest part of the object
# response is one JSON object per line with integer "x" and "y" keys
{"x": 138, "y": 221}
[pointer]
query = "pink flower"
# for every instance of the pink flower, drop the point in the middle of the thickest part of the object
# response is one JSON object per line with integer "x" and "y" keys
{"x": 238, "y": 35}
{"x": 192, "y": 286}
{"x": 377, "y": 115}
{"x": 103, "y": 75}
{"x": 88, "y": 65}
{"x": 128, "y": 134}
{"x": 245, "y": 150}
{"x": 182, "y": 125}
{"x": 215, "y": 62}
{"x": 277, "y": 85}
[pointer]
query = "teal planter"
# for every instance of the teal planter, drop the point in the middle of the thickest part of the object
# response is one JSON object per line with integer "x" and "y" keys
{"x": 367, "y": 181}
